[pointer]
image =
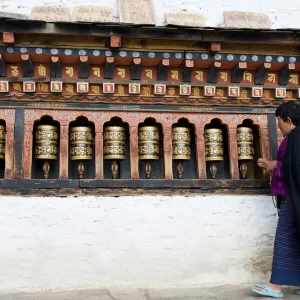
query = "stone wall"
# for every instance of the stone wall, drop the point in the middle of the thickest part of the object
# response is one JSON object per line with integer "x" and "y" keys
{"x": 283, "y": 14}
{"x": 142, "y": 241}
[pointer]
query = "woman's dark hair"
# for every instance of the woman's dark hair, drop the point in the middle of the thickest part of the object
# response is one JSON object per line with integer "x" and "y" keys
{"x": 290, "y": 109}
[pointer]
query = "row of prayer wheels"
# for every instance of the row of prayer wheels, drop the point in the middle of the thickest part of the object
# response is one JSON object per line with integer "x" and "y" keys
{"x": 114, "y": 137}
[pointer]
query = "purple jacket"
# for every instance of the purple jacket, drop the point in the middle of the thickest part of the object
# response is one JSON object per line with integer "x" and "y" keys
{"x": 278, "y": 185}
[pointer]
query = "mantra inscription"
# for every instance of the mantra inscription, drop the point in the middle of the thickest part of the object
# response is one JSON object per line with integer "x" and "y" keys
{"x": 149, "y": 143}
{"x": 114, "y": 143}
{"x": 46, "y": 142}
{"x": 214, "y": 148}
{"x": 81, "y": 139}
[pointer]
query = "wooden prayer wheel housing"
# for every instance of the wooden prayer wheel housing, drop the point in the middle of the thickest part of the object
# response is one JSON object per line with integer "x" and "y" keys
{"x": 114, "y": 143}
{"x": 46, "y": 139}
{"x": 2, "y": 141}
{"x": 81, "y": 139}
{"x": 148, "y": 143}
{"x": 214, "y": 148}
{"x": 181, "y": 141}
{"x": 245, "y": 141}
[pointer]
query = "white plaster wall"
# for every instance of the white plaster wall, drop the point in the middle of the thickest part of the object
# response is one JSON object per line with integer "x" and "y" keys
{"x": 282, "y": 13}
{"x": 143, "y": 241}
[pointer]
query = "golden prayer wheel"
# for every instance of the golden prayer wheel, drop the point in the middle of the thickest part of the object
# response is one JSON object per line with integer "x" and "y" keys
{"x": 46, "y": 145}
{"x": 181, "y": 144}
{"x": 148, "y": 146}
{"x": 114, "y": 146}
{"x": 81, "y": 146}
{"x": 2, "y": 141}
{"x": 245, "y": 141}
{"x": 214, "y": 148}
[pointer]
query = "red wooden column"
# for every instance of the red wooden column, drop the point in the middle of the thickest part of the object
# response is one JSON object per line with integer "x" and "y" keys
{"x": 233, "y": 154}
{"x": 99, "y": 151}
{"x": 200, "y": 153}
{"x": 27, "y": 150}
{"x": 9, "y": 151}
{"x": 134, "y": 152}
{"x": 64, "y": 151}
{"x": 264, "y": 142}
{"x": 167, "y": 140}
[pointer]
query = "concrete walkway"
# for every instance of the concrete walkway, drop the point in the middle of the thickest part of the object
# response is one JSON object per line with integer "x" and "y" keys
{"x": 205, "y": 293}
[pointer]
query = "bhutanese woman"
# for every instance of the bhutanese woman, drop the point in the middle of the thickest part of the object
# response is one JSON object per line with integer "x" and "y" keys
{"x": 285, "y": 186}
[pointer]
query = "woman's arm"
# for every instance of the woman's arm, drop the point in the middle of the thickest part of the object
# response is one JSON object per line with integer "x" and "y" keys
{"x": 269, "y": 165}
{"x": 279, "y": 169}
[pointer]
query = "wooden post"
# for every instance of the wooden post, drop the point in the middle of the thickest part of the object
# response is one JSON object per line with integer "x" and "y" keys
{"x": 200, "y": 153}
{"x": 233, "y": 154}
{"x": 99, "y": 151}
{"x": 27, "y": 150}
{"x": 64, "y": 151}
{"x": 134, "y": 152}
{"x": 9, "y": 151}
{"x": 168, "y": 162}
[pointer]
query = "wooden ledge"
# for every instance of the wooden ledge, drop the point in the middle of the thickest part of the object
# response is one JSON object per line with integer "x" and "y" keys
{"x": 56, "y": 187}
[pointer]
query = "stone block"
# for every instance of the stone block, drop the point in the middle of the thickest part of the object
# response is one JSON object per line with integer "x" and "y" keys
{"x": 92, "y": 14}
{"x": 237, "y": 19}
{"x": 137, "y": 12}
{"x": 185, "y": 19}
{"x": 50, "y": 13}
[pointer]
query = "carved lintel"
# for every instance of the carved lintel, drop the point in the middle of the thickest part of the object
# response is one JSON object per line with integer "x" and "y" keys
{"x": 84, "y": 67}
{"x": 261, "y": 73}
{"x": 212, "y": 74}
{"x": 109, "y": 67}
{"x": 27, "y": 65}
{"x": 162, "y": 70}
{"x": 136, "y": 69}
{"x": 284, "y": 74}
{"x": 238, "y": 71}
{"x": 55, "y": 67}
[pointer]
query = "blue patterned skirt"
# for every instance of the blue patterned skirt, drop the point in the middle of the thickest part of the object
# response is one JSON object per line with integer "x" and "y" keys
{"x": 286, "y": 260}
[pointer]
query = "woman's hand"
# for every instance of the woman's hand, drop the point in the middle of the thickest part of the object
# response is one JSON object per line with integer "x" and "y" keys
{"x": 268, "y": 165}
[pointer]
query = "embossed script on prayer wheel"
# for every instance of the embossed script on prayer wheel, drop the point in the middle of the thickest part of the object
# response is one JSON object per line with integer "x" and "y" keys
{"x": 81, "y": 139}
{"x": 214, "y": 149}
{"x": 2, "y": 141}
{"x": 114, "y": 146}
{"x": 245, "y": 141}
{"x": 148, "y": 146}
{"x": 46, "y": 140}
{"x": 114, "y": 142}
{"x": 181, "y": 142}
{"x": 148, "y": 143}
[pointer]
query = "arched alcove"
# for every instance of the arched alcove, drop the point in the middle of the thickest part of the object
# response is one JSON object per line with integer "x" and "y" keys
{"x": 151, "y": 159}
{"x": 116, "y": 148}
{"x": 81, "y": 149}
{"x": 249, "y": 148}
{"x": 45, "y": 154}
{"x": 184, "y": 150}
{"x": 216, "y": 150}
